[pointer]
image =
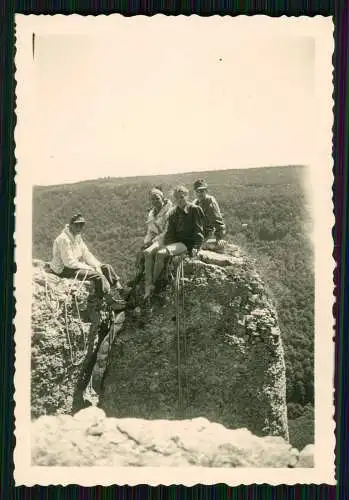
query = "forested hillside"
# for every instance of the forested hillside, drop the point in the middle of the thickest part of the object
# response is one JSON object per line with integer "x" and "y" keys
{"x": 270, "y": 201}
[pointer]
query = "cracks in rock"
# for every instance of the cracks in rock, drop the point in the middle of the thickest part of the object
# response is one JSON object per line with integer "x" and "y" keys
{"x": 125, "y": 433}
{"x": 100, "y": 327}
{"x": 153, "y": 447}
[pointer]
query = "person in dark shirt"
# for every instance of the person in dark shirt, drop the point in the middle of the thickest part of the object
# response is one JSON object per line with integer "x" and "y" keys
{"x": 214, "y": 224}
{"x": 184, "y": 234}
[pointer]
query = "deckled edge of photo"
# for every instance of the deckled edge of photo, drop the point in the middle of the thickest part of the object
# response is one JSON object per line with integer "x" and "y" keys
{"x": 319, "y": 27}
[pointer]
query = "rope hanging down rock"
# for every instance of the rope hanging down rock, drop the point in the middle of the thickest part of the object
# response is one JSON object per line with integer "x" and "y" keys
{"x": 50, "y": 298}
{"x": 60, "y": 305}
{"x": 74, "y": 361}
{"x": 179, "y": 294}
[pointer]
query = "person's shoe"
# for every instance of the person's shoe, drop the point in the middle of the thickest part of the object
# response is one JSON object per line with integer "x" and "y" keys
{"x": 148, "y": 291}
{"x": 133, "y": 282}
{"x": 136, "y": 312}
{"x": 118, "y": 305}
{"x": 115, "y": 304}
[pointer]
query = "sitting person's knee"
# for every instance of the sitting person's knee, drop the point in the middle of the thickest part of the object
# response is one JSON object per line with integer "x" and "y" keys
{"x": 162, "y": 252}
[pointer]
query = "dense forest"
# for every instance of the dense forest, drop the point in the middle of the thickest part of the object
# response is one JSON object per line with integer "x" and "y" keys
{"x": 266, "y": 213}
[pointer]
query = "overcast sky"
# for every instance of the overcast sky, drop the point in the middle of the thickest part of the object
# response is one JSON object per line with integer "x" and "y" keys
{"x": 169, "y": 99}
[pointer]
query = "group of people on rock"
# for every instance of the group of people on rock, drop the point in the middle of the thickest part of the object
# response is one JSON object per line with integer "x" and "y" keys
{"x": 173, "y": 228}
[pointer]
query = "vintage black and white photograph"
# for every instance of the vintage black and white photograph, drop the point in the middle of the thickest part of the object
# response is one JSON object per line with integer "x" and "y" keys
{"x": 174, "y": 250}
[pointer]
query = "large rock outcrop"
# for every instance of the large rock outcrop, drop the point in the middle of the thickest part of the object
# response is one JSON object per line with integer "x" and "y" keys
{"x": 90, "y": 439}
{"x": 231, "y": 367}
{"x": 68, "y": 326}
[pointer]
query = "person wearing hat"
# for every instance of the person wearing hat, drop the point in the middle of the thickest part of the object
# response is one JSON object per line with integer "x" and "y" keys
{"x": 153, "y": 240}
{"x": 72, "y": 259}
{"x": 156, "y": 229}
{"x": 214, "y": 223}
{"x": 157, "y": 218}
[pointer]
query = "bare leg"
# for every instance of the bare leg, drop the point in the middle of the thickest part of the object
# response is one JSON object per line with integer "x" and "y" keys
{"x": 149, "y": 257}
{"x": 148, "y": 267}
{"x": 159, "y": 263}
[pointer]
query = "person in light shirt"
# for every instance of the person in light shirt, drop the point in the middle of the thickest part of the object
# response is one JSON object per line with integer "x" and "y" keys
{"x": 156, "y": 229}
{"x": 156, "y": 222}
{"x": 72, "y": 259}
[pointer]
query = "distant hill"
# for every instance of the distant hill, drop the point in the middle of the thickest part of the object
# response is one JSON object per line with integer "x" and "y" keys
{"x": 271, "y": 201}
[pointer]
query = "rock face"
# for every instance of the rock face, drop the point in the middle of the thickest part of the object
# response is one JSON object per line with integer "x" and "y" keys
{"x": 226, "y": 364}
{"x": 68, "y": 325}
{"x": 90, "y": 439}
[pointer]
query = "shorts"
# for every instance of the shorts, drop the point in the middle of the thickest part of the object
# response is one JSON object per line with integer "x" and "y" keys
{"x": 177, "y": 248}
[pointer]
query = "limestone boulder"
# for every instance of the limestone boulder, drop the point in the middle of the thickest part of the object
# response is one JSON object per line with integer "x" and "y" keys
{"x": 90, "y": 439}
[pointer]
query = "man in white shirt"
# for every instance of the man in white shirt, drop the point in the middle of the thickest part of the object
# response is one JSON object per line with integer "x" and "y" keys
{"x": 72, "y": 259}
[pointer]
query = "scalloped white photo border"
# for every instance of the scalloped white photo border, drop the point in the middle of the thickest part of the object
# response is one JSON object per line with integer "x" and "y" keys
{"x": 320, "y": 193}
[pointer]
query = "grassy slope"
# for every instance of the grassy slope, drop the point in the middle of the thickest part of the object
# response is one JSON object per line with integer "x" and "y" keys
{"x": 270, "y": 200}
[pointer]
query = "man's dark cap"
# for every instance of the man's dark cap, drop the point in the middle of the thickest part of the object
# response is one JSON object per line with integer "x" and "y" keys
{"x": 77, "y": 219}
{"x": 200, "y": 184}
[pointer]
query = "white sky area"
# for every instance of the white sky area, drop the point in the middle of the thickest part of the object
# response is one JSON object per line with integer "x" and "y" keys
{"x": 160, "y": 100}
